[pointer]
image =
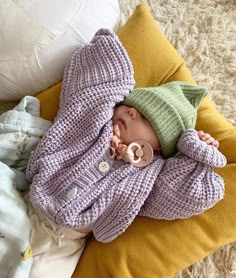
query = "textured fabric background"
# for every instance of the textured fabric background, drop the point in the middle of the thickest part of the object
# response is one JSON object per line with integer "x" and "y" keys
{"x": 204, "y": 33}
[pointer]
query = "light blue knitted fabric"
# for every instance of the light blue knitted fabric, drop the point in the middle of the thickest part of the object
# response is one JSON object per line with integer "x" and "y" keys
{"x": 68, "y": 185}
{"x": 20, "y": 131}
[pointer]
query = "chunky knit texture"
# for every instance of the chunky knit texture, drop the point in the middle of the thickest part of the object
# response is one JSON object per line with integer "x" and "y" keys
{"x": 67, "y": 185}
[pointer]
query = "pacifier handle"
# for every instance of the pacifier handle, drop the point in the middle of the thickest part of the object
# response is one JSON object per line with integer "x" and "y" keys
{"x": 112, "y": 153}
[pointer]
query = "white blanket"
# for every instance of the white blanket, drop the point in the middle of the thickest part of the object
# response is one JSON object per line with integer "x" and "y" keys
{"x": 20, "y": 131}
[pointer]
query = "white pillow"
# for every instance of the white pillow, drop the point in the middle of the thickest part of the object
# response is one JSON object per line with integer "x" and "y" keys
{"x": 38, "y": 37}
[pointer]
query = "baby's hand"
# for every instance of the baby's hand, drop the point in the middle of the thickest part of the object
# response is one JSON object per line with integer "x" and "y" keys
{"x": 116, "y": 130}
{"x": 206, "y": 137}
{"x": 116, "y": 137}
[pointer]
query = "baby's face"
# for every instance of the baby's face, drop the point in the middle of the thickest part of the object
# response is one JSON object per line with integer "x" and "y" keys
{"x": 133, "y": 126}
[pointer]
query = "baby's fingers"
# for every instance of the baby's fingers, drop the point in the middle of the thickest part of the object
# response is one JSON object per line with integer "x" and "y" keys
{"x": 206, "y": 137}
{"x": 115, "y": 141}
{"x": 215, "y": 143}
{"x": 202, "y": 135}
{"x": 211, "y": 141}
{"x": 116, "y": 130}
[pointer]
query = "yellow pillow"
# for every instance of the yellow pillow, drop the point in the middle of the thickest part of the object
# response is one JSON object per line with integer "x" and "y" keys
{"x": 157, "y": 248}
{"x": 49, "y": 102}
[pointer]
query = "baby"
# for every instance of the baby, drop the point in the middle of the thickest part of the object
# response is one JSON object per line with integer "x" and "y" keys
{"x": 114, "y": 153}
{"x": 130, "y": 125}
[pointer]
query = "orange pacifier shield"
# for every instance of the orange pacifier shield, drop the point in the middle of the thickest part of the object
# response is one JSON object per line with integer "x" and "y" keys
{"x": 143, "y": 153}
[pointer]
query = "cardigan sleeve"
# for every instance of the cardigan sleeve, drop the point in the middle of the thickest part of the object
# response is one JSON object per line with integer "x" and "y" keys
{"x": 190, "y": 145}
{"x": 187, "y": 184}
{"x": 97, "y": 73}
{"x": 96, "y": 78}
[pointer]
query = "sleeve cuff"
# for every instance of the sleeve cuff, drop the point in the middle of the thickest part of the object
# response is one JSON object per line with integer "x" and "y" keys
{"x": 190, "y": 145}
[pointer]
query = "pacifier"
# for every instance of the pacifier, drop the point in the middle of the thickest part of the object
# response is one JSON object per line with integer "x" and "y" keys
{"x": 142, "y": 153}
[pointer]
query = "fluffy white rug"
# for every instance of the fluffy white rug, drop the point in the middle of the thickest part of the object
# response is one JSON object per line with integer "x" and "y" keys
{"x": 204, "y": 33}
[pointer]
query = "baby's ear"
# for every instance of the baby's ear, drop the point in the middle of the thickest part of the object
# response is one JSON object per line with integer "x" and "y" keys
{"x": 194, "y": 93}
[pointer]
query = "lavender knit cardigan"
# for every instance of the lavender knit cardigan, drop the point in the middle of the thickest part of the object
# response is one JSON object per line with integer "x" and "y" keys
{"x": 67, "y": 185}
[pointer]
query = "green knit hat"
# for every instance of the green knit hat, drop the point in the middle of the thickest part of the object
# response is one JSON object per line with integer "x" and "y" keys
{"x": 170, "y": 109}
